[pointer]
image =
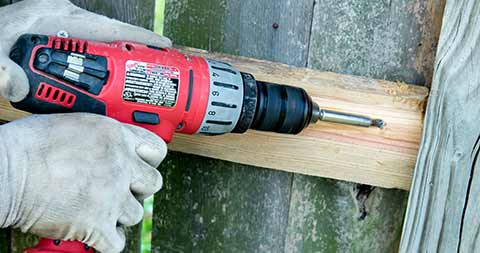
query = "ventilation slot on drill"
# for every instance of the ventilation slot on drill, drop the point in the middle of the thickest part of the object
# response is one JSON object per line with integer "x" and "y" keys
{"x": 72, "y": 45}
{"x": 54, "y": 95}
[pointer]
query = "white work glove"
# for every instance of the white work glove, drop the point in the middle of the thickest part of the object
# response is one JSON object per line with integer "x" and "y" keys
{"x": 77, "y": 176}
{"x": 48, "y": 17}
{"x": 72, "y": 176}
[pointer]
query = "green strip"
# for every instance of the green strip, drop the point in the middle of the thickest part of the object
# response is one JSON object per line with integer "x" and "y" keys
{"x": 147, "y": 226}
{"x": 148, "y": 203}
{"x": 159, "y": 16}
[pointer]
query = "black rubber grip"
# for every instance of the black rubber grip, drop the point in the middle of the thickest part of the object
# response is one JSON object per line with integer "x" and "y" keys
{"x": 273, "y": 107}
{"x": 281, "y": 108}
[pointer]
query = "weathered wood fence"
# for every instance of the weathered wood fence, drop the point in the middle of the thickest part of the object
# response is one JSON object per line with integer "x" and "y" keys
{"x": 443, "y": 209}
{"x": 209, "y": 205}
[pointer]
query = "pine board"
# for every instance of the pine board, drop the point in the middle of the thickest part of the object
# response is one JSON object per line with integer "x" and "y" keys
{"x": 364, "y": 155}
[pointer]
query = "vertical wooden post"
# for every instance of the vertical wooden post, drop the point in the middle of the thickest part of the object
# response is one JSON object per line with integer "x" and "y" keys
{"x": 444, "y": 203}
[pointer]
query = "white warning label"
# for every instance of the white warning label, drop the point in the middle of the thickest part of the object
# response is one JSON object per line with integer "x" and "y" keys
{"x": 150, "y": 83}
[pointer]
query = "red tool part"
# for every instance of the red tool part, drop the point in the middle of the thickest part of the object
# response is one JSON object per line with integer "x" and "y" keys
{"x": 57, "y": 246}
{"x": 133, "y": 83}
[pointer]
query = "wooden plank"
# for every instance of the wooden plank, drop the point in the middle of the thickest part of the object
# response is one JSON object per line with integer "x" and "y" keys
{"x": 138, "y": 12}
{"x": 364, "y": 155}
{"x": 194, "y": 23}
{"x": 243, "y": 27}
{"x": 431, "y": 23}
{"x": 218, "y": 206}
{"x": 134, "y": 239}
{"x": 442, "y": 214}
{"x": 335, "y": 216}
{"x": 392, "y": 40}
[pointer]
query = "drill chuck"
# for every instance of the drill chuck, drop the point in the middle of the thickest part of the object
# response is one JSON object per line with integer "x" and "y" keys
{"x": 278, "y": 108}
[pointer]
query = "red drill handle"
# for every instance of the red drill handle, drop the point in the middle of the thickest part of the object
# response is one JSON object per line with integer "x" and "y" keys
{"x": 57, "y": 246}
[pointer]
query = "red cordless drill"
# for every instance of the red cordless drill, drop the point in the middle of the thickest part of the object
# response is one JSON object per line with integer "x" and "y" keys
{"x": 159, "y": 89}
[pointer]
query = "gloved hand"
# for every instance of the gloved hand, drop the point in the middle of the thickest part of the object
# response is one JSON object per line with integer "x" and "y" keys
{"x": 77, "y": 176}
{"x": 72, "y": 176}
{"x": 49, "y": 17}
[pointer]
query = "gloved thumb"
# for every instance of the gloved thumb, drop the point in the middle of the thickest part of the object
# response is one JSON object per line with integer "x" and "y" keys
{"x": 13, "y": 81}
{"x": 150, "y": 148}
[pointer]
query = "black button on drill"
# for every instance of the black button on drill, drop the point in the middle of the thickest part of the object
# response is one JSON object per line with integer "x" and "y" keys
{"x": 146, "y": 118}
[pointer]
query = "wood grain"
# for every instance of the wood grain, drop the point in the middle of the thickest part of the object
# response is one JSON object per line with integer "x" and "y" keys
{"x": 393, "y": 40}
{"x": 209, "y": 205}
{"x": 336, "y": 216}
{"x": 137, "y": 12}
{"x": 430, "y": 16}
{"x": 243, "y": 27}
{"x": 364, "y": 155}
{"x": 442, "y": 214}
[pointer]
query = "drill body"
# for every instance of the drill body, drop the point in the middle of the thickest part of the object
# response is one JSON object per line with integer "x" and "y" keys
{"x": 159, "y": 89}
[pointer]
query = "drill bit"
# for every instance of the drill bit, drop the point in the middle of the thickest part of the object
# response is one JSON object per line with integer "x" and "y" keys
{"x": 345, "y": 118}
